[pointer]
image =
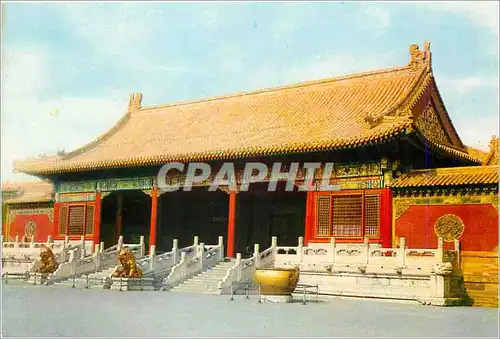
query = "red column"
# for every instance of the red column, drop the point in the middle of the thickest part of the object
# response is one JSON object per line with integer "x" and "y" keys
{"x": 309, "y": 224}
{"x": 97, "y": 218}
{"x": 55, "y": 218}
{"x": 154, "y": 214}
{"x": 386, "y": 218}
{"x": 231, "y": 225}
{"x": 119, "y": 212}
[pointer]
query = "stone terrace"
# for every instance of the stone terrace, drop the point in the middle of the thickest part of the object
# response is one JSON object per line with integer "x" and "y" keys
{"x": 57, "y": 311}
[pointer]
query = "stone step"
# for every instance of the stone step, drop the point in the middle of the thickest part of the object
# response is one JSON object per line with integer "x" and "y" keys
{"x": 208, "y": 277}
{"x": 220, "y": 271}
{"x": 220, "y": 267}
{"x": 200, "y": 283}
{"x": 225, "y": 264}
{"x": 195, "y": 290}
{"x": 198, "y": 292}
{"x": 211, "y": 274}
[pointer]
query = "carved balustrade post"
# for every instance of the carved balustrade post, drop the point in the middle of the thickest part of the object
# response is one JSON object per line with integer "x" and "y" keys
{"x": 120, "y": 243}
{"x": 16, "y": 241}
{"x": 195, "y": 240}
{"x": 49, "y": 240}
{"x": 72, "y": 262}
{"x": 221, "y": 248}
{"x": 333, "y": 247}
{"x": 300, "y": 248}
{"x": 142, "y": 247}
{"x": 152, "y": 257}
{"x": 175, "y": 251}
{"x": 32, "y": 242}
{"x": 401, "y": 252}
{"x": 201, "y": 254}
{"x": 97, "y": 256}
{"x": 366, "y": 246}
{"x": 238, "y": 267}
{"x": 82, "y": 251}
{"x": 101, "y": 247}
{"x": 184, "y": 264}
{"x": 440, "y": 250}
{"x": 456, "y": 246}
{"x": 256, "y": 255}
{"x": 64, "y": 253}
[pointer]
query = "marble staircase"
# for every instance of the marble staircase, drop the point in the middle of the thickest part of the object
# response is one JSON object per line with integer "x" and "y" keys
{"x": 207, "y": 281}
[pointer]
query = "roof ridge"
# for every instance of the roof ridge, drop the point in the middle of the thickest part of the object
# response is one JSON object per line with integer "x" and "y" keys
{"x": 116, "y": 127}
{"x": 282, "y": 87}
{"x": 454, "y": 169}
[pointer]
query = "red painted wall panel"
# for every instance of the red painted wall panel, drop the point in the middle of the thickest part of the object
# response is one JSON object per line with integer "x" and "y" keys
{"x": 480, "y": 220}
{"x": 43, "y": 226}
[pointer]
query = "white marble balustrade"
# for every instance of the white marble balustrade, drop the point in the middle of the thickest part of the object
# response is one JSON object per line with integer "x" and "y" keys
{"x": 363, "y": 257}
{"x": 80, "y": 264}
{"x": 193, "y": 260}
{"x": 244, "y": 269}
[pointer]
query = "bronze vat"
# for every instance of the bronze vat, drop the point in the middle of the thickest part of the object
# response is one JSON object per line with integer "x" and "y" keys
{"x": 276, "y": 281}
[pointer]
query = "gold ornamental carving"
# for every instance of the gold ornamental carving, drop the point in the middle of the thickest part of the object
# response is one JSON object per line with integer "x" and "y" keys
{"x": 29, "y": 229}
{"x": 449, "y": 227}
{"x": 401, "y": 206}
{"x": 227, "y": 189}
{"x": 430, "y": 125}
{"x": 494, "y": 202}
{"x": 148, "y": 192}
{"x": 105, "y": 194}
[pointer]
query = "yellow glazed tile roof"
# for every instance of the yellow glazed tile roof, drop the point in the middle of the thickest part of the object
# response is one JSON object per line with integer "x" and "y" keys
{"x": 320, "y": 115}
{"x": 29, "y": 192}
{"x": 455, "y": 176}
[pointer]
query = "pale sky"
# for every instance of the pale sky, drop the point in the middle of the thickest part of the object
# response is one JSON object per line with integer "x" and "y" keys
{"x": 69, "y": 68}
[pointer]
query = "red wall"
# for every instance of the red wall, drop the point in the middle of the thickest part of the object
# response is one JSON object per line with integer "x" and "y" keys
{"x": 480, "y": 220}
{"x": 43, "y": 226}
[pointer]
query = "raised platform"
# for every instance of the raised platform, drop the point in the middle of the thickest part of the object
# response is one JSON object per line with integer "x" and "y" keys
{"x": 425, "y": 289}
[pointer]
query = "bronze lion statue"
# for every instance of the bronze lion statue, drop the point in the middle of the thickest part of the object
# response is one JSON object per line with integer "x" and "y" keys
{"x": 128, "y": 267}
{"x": 48, "y": 261}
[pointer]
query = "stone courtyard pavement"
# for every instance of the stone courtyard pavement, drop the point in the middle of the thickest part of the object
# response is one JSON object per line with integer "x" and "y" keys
{"x": 60, "y": 311}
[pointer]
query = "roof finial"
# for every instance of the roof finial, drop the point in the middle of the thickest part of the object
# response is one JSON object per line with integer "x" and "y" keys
{"x": 494, "y": 144}
{"x": 418, "y": 57}
{"x": 134, "y": 103}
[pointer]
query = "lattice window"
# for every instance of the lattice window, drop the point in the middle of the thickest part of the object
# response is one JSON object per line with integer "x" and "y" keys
{"x": 323, "y": 210}
{"x": 63, "y": 217}
{"x": 372, "y": 215}
{"x": 347, "y": 215}
{"x": 89, "y": 220}
{"x": 76, "y": 220}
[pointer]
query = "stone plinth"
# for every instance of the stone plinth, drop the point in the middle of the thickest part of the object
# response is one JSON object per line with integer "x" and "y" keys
{"x": 133, "y": 284}
{"x": 277, "y": 298}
